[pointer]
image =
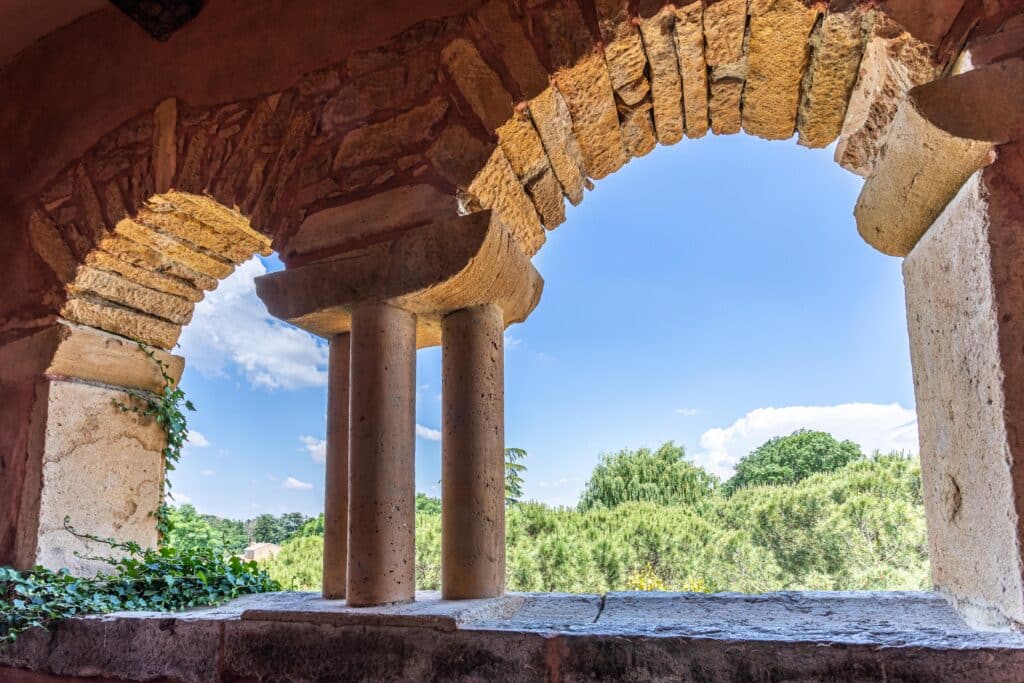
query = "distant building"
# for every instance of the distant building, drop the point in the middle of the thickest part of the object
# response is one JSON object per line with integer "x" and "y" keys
{"x": 260, "y": 551}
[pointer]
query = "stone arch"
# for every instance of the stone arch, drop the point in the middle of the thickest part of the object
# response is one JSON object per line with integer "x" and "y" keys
{"x": 502, "y": 108}
{"x": 473, "y": 106}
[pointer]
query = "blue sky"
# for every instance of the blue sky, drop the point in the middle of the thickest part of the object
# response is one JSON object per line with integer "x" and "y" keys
{"x": 714, "y": 293}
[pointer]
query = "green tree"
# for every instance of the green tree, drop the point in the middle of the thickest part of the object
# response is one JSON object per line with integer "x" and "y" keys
{"x": 664, "y": 476}
{"x": 790, "y": 459}
{"x": 427, "y": 505}
{"x": 189, "y": 531}
{"x": 514, "y": 469}
{"x": 290, "y": 523}
{"x": 232, "y": 532}
{"x": 266, "y": 529}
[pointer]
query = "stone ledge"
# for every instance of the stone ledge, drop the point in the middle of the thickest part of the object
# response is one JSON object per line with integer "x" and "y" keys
{"x": 532, "y": 637}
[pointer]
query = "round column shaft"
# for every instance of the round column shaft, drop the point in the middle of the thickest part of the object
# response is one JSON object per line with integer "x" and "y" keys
{"x": 382, "y": 495}
{"x": 336, "y": 477}
{"x": 472, "y": 460}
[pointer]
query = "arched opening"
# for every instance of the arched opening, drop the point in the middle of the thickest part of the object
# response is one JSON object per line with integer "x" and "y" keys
{"x": 355, "y": 160}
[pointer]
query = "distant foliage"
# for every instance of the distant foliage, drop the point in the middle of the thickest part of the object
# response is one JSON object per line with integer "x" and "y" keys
{"x": 514, "y": 470}
{"x": 860, "y": 527}
{"x": 793, "y": 458}
{"x": 664, "y": 476}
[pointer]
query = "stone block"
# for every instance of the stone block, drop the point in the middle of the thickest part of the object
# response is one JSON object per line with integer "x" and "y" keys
{"x": 836, "y": 45}
{"x": 478, "y": 83}
{"x": 365, "y": 221}
{"x": 689, "y": 38}
{"x": 382, "y": 140}
{"x": 497, "y": 188}
{"x": 778, "y": 55}
{"x": 658, "y": 32}
{"x": 964, "y": 297}
{"x": 587, "y": 90}
{"x": 516, "y": 50}
{"x": 892, "y": 64}
{"x": 553, "y": 122}
{"x": 99, "y": 466}
{"x": 921, "y": 171}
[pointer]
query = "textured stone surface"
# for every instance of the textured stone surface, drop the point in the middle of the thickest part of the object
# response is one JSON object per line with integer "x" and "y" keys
{"x": 516, "y": 51}
{"x": 473, "y": 453}
{"x": 431, "y": 271}
{"x": 724, "y": 32}
{"x": 623, "y": 51}
{"x": 498, "y": 189}
{"x": 836, "y": 47}
{"x": 689, "y": 37}
{"x": 380, "y": 140}
{"x": 543, "y": 637}
{"x": 922, "y": 169}
{"x": 126, "y": 322}
{"x": 382, "y": 445}
{"x": 553, "y": 121}
{"x": 666, "y": 86}
{"x": 638, "y": 131}
{"x": 587, "y": 90}
{"x": 369, "y": 220}
{"x": 958, "y": 299}
{"x": 94, "y": 452}
{"x": 478, "y": 83}
{"x": 525, "y": 152}
{"x": 892, "y": 64}
{"x": 778, "y": 55}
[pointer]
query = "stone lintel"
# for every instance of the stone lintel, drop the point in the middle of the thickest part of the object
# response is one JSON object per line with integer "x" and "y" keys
{"x": 430, "y": 270}
{"x": 943, "y": 132}
{"x": 70, "y": 351}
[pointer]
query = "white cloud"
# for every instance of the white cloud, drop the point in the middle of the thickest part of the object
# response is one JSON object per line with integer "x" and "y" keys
{"x": 687, "y": 412}
{"x": 511, "y": 342}
{"x": 428, "y": 433}
{"x": 317, "y": 448}
{"x": 871, "y": 425}
{"x": 293, "y": 483}
{"x": 207, "y": 473}
{"x": 231, "y": 328}
{"x": 179, "y": 499}
{"x": 197, "y": 440}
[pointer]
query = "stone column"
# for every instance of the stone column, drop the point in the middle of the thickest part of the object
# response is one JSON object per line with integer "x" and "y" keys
{"x": 382, "y": 495}
{"x": 472, "y": 460}
{"x": 336, "y": 475}
{"x": 965, "y": 312}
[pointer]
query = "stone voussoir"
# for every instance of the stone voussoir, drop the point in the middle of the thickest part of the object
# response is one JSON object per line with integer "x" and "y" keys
{"x": 689, "y": 38}
{"x": 778, "y": 55}
{"x": 587, "y": 90}
{"x": 658, "y": 32}
{"x": 837, "y": 45}
{"x": 553, "y": 122}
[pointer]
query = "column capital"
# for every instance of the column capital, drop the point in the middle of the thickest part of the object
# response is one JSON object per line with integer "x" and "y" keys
{"x": 430, "y": 270}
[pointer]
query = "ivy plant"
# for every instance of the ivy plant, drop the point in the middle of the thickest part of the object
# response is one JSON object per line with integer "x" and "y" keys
{"x": 162, "y": 580}
{"x": 168, "y": 409}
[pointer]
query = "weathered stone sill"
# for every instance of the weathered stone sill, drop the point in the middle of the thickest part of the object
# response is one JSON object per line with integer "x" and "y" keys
{"x": 531, "y": 637}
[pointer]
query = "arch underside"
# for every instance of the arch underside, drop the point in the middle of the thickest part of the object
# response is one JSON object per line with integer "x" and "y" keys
{"x": 509, "y": 109}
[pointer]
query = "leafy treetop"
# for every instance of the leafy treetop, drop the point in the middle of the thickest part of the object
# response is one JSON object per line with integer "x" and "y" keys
{"x": 664, "y": 476}
{"x": 793, "y": 458}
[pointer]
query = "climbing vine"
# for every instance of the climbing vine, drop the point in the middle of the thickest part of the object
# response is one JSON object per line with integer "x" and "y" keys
{"x": 168, "y": 409}
{"x": 165, "y": 580}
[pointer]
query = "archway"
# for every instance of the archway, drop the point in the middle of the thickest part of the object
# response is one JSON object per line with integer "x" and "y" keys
{"x": 333, "y": 163}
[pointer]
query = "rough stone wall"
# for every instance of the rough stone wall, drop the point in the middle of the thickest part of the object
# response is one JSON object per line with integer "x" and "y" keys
{"x": 964, "y": 295}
